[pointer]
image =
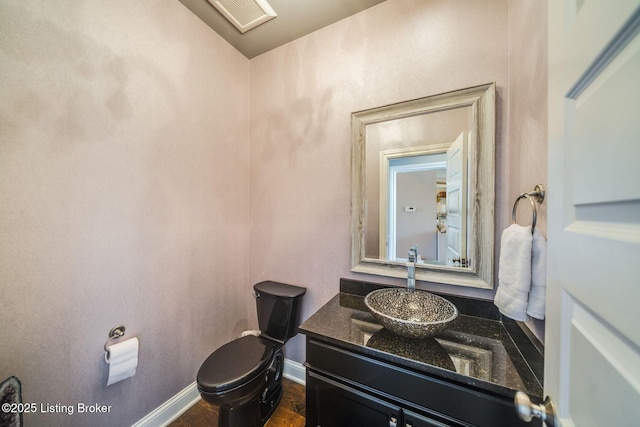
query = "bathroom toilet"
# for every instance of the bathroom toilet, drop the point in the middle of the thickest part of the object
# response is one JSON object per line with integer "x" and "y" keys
{"x": 244, "y": 376}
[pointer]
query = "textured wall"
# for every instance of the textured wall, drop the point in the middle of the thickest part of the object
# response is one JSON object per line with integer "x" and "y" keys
{"x": 418, "y": 228}
{"x": 527, "y": 112}
{"x": 302, "y": 96}
{"x": 130, "y": 193}
{"x": 123, "y": 199}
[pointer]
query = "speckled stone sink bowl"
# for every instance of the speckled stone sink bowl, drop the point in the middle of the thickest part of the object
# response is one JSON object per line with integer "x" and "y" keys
{"x": 411, "y": 313}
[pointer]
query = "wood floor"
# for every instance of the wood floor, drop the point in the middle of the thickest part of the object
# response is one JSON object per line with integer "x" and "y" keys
{"x": 289, "y": 413}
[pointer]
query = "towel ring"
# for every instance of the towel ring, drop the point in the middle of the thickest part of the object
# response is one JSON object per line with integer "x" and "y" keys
{"x": 537, "y": 195}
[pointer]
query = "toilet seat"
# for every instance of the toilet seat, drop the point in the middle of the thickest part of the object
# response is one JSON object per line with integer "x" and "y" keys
{"x": 235, "y": 363}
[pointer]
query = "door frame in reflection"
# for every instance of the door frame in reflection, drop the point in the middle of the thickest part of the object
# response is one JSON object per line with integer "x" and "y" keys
{"x": 387, "y": 220}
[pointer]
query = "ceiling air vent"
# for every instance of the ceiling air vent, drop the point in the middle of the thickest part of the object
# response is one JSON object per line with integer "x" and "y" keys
{"x": 245, "y": 14}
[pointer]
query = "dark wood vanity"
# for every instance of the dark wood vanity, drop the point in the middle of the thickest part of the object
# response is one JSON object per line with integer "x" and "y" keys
{"x": 359, "y": 374}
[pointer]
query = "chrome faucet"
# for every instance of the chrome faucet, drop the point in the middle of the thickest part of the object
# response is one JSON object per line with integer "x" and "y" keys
{"x": 411, "y": 266}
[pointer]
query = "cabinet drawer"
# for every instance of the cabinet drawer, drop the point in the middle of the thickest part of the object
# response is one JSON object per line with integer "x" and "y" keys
{"x": 435, "y": 396}
{"x": 337, "y": 405}
{"x": 410, "y": 419}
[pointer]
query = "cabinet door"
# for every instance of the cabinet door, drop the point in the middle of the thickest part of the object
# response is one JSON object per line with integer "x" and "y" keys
{"x": 411, "y": 419}
{"x": 331, "y": 404}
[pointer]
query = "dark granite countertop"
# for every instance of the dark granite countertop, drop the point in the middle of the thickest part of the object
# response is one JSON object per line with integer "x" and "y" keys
{"x": 479, "y": 349}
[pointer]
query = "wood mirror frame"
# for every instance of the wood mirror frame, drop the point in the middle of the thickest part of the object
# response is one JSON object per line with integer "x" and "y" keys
{"x": 481, "y": 187}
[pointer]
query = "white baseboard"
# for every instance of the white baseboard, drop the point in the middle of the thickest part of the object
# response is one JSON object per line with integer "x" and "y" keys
{"x": 170, "y": 410}
{"x": 295, "y": 372}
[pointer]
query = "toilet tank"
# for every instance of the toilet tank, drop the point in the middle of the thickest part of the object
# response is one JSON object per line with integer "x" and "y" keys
{"x": 278, "y": 306}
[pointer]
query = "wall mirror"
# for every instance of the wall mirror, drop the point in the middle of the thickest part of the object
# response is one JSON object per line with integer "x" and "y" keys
{"x": 423, "y": 174}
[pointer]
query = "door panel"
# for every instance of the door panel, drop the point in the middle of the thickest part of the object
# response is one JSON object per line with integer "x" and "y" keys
{"x": 601, "y": 368}
{"x": 612, "y": 92}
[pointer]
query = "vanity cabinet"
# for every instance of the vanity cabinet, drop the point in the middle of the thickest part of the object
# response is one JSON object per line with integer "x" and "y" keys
{"x": 337, "y": 404}
{"x": 346, "y": 388}
{"x": 360, "y": 374}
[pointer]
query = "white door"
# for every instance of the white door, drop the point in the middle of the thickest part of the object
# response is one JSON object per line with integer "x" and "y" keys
{"x": 457, "y": 200}
{"x": 592, "y": 357}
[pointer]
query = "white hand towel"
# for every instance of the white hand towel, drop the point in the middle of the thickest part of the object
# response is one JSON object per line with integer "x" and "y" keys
{"x": 514, "y": 276}
{"x": 538, "y": 291}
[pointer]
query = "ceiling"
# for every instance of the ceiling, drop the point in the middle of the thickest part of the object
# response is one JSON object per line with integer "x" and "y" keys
{"x": 296, "y": 18}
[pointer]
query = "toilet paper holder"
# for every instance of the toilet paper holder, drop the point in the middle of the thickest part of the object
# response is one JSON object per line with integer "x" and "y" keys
{"x": 114, "y": 333}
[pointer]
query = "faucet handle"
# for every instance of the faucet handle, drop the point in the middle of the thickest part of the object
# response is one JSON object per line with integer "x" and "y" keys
{"x": 413, "y": 254}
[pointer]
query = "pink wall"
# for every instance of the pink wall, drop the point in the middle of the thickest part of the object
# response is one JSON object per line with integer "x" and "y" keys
{"x": 417, "y": 189}
{"x": 150, "y": 174}
{"x": 302, "y": 96}
{"x": 527, "y": 158}
{"x": 124, "y": 199}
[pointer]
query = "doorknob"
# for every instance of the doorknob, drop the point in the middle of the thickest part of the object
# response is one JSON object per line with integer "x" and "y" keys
{"x": 527, "y": 410}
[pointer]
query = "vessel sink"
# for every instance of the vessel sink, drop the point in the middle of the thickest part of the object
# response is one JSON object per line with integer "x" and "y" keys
{"x": 411, "y": 313}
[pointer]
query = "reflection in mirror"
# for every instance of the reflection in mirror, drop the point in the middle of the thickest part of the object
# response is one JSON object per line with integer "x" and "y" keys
{"x": 423, "y": 175}
{"x": 418, "y": 157}
{"x": 409, "y": 214}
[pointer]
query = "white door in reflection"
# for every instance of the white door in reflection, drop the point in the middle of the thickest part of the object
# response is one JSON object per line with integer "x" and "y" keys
{"x": 457, "y": 172}
{"x": 414, "y": 182}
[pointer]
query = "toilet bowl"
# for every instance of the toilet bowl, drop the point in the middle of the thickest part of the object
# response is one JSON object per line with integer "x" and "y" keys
{"x": 244, "y": 376}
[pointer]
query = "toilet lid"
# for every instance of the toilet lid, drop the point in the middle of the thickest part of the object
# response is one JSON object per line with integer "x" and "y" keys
{"x": 235, "y": 363}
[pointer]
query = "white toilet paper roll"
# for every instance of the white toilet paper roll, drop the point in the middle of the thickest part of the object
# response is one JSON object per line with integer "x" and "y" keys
{"x": 122, "y": 359}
